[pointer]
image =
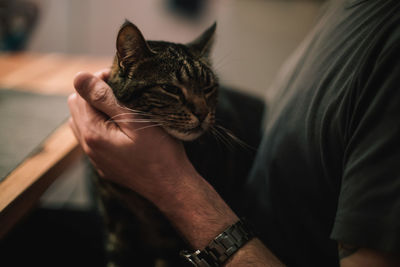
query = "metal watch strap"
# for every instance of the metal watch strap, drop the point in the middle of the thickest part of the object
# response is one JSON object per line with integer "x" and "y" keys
{"x": 222, "y": 247}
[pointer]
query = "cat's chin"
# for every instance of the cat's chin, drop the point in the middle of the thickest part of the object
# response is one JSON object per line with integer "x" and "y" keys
{"x": 184, "y": 136}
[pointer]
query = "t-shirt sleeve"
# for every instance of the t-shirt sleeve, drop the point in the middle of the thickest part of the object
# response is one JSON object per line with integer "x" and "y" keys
{"x": 368, "y": 213}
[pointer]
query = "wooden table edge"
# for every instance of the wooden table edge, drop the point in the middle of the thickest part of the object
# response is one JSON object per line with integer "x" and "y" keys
{"x": 22, "y": 188}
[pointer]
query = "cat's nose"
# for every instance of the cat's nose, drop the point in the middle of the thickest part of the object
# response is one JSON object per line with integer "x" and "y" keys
{"x": 201, "y": 115}
{"x": 199, "y": 108}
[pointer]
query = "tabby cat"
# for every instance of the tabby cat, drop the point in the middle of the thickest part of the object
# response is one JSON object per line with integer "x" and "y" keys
{"x": 174, "y": 86}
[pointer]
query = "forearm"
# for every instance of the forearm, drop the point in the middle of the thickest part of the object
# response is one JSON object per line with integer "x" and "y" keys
{"x": 200, "y": 214}
{"x": 196, "y": 210}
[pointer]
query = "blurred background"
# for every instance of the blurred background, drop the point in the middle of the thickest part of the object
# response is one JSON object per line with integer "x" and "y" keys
{"x": 254, "y": 37}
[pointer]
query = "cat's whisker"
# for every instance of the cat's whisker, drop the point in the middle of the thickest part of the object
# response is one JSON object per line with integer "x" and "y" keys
{"x": 133, "y": 120}
{"x": 121, "y": 114}
{"x": 142, "y": 117}
{"x": 214, "y": 133}
{"x": 223, "y": 139}
{"x": 234, "y": 138}
{"x": 153, "y": 123}
{"x": 228, "y": 143}
{"x": 135, "y": 110}
{"x": 148, "y": 126}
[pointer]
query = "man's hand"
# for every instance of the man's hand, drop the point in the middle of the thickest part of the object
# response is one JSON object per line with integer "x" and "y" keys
{"x": 134, "y": 154}
{"x": 146, "y": 160}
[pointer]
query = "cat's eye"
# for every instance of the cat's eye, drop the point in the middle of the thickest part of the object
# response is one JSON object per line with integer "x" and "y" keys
{"x": 171, "y": 89}
{"x": 209, "y": 89}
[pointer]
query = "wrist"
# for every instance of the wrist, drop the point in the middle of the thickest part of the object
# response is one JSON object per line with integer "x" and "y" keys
{"x": 222, "y": 247}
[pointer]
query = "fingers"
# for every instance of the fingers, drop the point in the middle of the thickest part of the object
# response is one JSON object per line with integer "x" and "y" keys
{"x": 75, "y": 121}
{"x": 81, "y": 141}
{"x": 97, "y": 92}
{"x": 85, "y": 122}
{"x": 103, "y": 74}
{"x": 74, "y": 129}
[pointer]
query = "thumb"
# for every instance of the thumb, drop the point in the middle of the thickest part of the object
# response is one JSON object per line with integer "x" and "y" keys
{"x": 97, "y": 93}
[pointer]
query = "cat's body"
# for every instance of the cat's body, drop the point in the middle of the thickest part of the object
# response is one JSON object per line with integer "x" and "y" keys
{"x": 137, "y": 234}
{"x": 173, "y": 86}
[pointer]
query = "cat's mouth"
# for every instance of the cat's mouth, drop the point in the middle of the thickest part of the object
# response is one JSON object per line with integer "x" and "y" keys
{"x": 187, "y": 134}
{"x": 189, "y": 130}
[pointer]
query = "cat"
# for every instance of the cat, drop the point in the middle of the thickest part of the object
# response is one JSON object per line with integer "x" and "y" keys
{"x": 174, "y": 86}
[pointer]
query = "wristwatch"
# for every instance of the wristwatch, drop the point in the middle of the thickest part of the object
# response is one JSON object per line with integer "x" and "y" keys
{"x": 222, "y": 247}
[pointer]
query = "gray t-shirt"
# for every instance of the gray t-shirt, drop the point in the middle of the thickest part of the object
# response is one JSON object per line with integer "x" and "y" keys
{"x": 328, "y": 168}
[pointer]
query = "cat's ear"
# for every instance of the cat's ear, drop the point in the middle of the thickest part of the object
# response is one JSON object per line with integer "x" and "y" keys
{"x": 203, "y": 44}
{"x": 131, "y": 46}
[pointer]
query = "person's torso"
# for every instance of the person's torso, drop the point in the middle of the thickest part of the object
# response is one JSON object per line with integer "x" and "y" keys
{"x": 293, "y": 189}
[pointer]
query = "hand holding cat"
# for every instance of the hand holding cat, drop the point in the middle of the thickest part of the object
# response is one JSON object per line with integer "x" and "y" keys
{"x": 135, "y": 155}
{"x": 147, "y": 161}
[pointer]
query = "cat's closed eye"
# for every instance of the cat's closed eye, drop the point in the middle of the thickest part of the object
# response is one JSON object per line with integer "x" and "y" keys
{"x": 172, "y": 89}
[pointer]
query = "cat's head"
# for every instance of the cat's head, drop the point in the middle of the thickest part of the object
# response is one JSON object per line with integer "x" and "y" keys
{"x": 172, "y": 83}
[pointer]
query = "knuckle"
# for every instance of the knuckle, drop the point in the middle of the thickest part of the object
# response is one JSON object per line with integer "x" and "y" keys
{"x": 92, "y": 88}
{"x": 91, "y": 139}
{"x": 100, "y": 94}
{"x": 82, "y": 82}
